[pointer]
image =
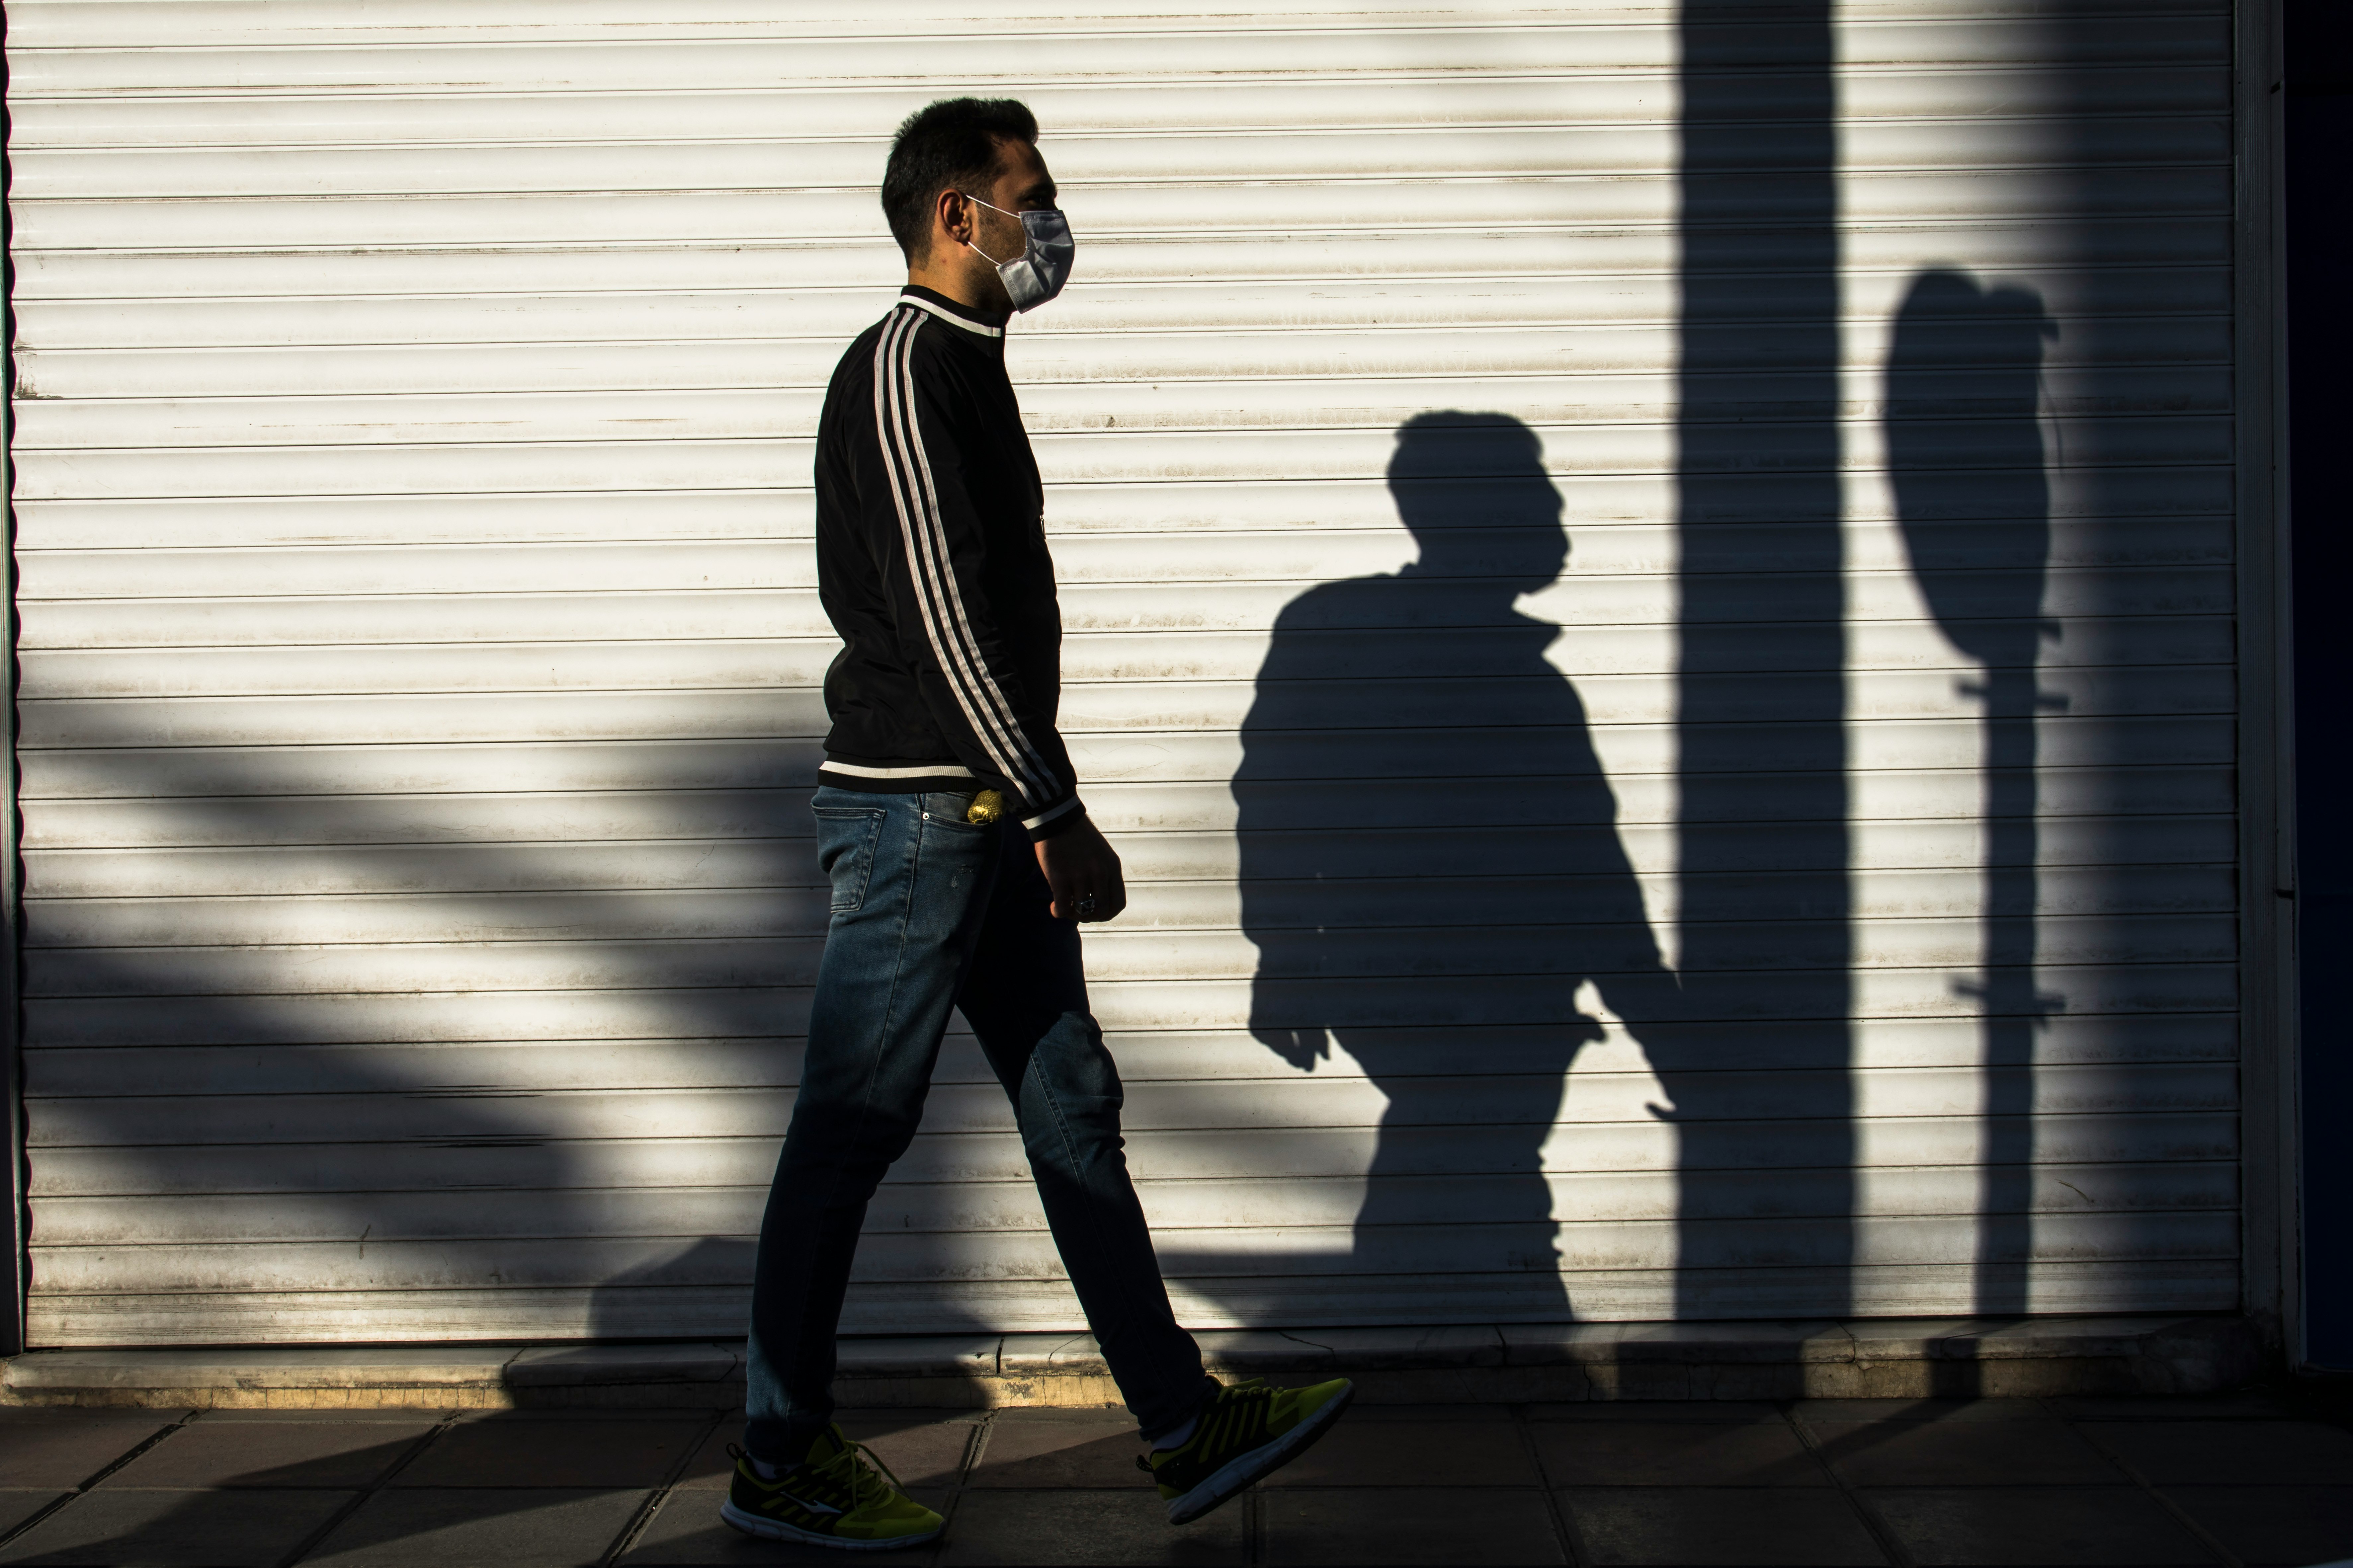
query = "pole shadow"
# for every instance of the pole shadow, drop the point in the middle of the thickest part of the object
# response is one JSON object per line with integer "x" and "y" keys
{"x": 1966, "y": 461}
{"x": 1430, "y": 869}
{"x": 1762, "y": 1075}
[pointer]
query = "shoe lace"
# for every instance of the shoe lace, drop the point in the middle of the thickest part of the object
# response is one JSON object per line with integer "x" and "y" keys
{"x": 854, "y": 1467}
{"x": 1249, "y": 1390}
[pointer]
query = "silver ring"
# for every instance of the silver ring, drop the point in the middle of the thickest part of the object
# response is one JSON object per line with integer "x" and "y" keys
{"x": 1086, "y": 907}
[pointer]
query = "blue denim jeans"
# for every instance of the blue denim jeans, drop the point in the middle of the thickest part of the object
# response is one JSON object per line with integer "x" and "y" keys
{"x": 930, "y": 912}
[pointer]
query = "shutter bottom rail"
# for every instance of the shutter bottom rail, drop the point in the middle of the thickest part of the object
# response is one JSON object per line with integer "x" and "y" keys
{"x": 1870, "y": 1357}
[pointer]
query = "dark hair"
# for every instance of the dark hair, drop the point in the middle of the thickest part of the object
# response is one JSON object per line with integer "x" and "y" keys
{"x": 951, "y": 144}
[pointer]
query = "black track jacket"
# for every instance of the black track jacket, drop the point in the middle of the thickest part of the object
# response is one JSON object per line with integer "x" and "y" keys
{"x": 931, "y": 564}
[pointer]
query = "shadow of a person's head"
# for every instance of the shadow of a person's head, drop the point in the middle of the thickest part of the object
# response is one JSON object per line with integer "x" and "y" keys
{"x": 1472, "y": 489}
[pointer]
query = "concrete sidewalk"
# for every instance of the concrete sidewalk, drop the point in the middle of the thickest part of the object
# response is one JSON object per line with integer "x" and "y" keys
{"x": 2251, "y": 1479}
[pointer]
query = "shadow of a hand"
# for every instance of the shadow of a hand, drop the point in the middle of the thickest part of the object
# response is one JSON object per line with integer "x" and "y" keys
{"x": 1300, "y": 1047}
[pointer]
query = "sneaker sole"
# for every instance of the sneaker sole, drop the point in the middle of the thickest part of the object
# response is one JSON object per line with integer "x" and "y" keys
{"x": 777, "y": 1529}
{"x": 1239, "y": 1473}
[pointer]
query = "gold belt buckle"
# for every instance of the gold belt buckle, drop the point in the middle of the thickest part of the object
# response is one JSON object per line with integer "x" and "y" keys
{"x": 987, "y": 806}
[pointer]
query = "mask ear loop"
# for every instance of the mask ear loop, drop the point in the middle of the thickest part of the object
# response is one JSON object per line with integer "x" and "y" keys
{"x": 992, "y": 207}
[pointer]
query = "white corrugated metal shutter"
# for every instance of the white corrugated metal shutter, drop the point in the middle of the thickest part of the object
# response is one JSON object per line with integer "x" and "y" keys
{"x": 418, "y": 647}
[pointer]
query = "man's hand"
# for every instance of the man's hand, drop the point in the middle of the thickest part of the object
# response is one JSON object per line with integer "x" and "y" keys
{"x": 1080, "y": 865}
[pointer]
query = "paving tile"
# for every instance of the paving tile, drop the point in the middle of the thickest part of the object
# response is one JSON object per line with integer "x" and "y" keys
{"x": 562, "y": 1453}
{"x": 1702, "y": 1412}
{"x": 1962, "y": 1453}
{"x": 1920, "y": 1410}
{"x": 17, "y": 1507}
{"x": 713, "y": 1468}
{"x": 1711, "y": 1525}
{"x": 2251, "y": 1404}
{"x": 2247, "y": 1452}
{"x": 344, "y": 1454}
{"x": 548, "y": 1527}
{"x": 1090, "y": 1527}
{"x": 921, "y": 1453}
{"x": 2274, "y": 1525}
{"x": 2000, "y": 1525}
{"x": 1428, "y": 1454}
{"x": 1059, "y": 1448}
{"x": 1675, "y": 1453}
{"x": 63, "y": 1448}
{"x": 203, "y": 1530}
{"x": 687, "y": 1533}
{"x": 1359, "y": 1411}
{"x": 922, "y": 1447}
{"x": 1405, "y": 1525}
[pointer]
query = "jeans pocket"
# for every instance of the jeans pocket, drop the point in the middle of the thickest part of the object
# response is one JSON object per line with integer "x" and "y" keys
{"x": 846, "y": 838}
{"x": 947, "y": 808}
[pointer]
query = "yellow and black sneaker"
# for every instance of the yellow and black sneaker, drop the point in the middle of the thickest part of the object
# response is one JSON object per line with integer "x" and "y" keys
{"x": 841, "y": 1495}
{"x": 1245, "y": 1432}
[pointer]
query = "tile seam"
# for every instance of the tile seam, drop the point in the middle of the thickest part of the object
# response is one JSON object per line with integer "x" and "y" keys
{"x": 43, "y": 1514}
{"x": 1565, "y": 1533}
{"x": 1890, "y": 1545}
{"x": 2173, "y": 1511}
{"x": 334, "y": 1522}
{"x": 643, "y": 1513}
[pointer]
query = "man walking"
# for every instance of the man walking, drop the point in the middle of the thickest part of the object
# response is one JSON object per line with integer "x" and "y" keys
{"x": 949, "y": 824}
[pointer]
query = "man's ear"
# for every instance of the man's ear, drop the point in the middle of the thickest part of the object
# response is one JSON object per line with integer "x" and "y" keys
{"x": 952, "y": 215}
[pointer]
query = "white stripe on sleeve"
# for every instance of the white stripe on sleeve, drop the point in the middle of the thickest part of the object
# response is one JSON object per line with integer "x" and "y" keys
{"x": 960, "y": 623}
{"x": 924, "y": 544}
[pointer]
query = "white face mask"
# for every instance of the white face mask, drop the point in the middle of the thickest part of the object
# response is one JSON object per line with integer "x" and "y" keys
{"x": 1037, "y": 274}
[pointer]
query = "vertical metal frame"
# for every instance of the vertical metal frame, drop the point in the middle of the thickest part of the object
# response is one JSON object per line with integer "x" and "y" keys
{"x": 12, "y": 1072}
{"x": 12, "y": 1096}
{"x": 2267, "y": 1010}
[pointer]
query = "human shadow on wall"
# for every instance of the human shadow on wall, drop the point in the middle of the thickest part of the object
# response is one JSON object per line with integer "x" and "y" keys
{"x": 1430, "y": 869}
{"x": 1966, "y": 460}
